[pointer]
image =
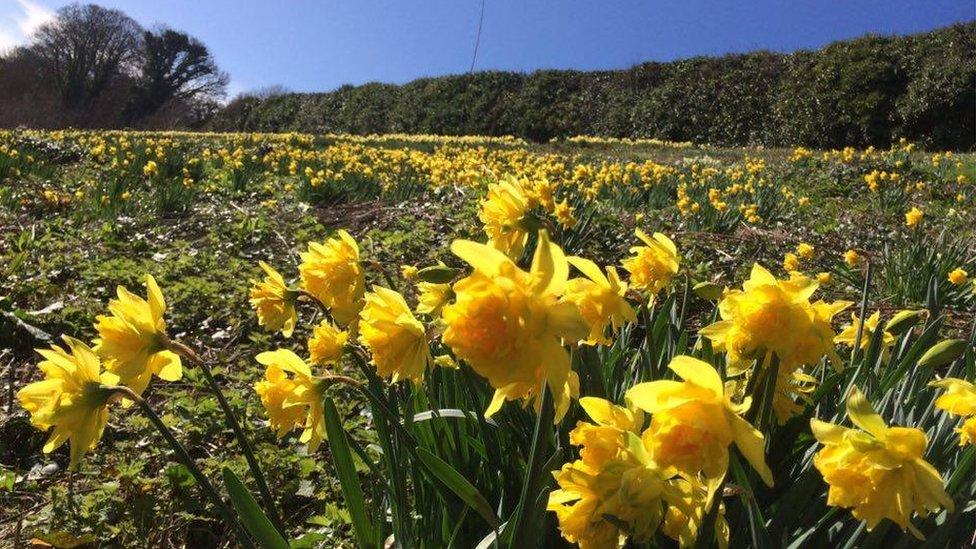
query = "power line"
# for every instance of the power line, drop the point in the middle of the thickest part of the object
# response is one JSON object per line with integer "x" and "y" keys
{"x": 477, "y": 41}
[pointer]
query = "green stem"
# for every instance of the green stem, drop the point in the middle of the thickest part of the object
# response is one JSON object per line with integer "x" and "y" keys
{"x": 187, "y": 461}
{"x": 269, "y": 503}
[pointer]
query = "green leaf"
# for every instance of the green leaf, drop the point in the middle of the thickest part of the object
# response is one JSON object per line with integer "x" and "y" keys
{"x": 459, "y": 485}
{"x": 251, "y": 515}
{"x": 352, "y": 492}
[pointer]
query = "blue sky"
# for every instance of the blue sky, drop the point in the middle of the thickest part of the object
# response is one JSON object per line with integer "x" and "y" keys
{"x": 308, "y": 45}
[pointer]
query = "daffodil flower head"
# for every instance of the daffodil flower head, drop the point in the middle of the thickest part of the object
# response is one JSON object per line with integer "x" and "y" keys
{"x": 600, "y": 298}
{"x": 132, "y": 339}
{"x": 875, "y": 470}
{"x": 503, "y": 214}
{"x": 331, "y": 272}
{"x": 868, "y": 328}
{"x": 654, "y": 265}
{"x": 274, "y": 302}
{"x": 326, "y": 344}
{"x": 73, "y": 397}
{"x": 693, "y": 422}
{"x": 769, "y": 314}
{"x": 431, "y": 297}
{"x": 959, "y": 399}
{"x": 509, "y": 324}
{"x": 292, "y": 396}
{"x": 612, "y": 484}
{"x": 395, "y": 338}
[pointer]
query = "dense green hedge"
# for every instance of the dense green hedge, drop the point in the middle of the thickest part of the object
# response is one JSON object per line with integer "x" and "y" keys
{"x": 868, "y": 91}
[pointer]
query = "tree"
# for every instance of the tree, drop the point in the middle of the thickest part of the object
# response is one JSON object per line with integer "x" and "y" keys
{"x": 83, "y": 49}
{"x": 173, "y": 66}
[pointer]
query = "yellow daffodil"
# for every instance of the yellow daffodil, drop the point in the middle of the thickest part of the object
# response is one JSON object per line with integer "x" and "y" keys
{"x": 913, "y": 217}
{"x": 958, "y": 277}
{"x": 274, "y": 302}
{"x": 331, "y": 272}
{"x": 824, "y": 278}
{"x": 852, "y": 258}
{"x": 959, "y": 399}
{"x": 509, "y": 324}
{"x": 564, "y": 214}
{"x": 132, "y": 339}
{"x": 870, "y": 326}
{"x": 431, "y": 297}
{"x": 294, "y": 400}
{"x": 875, "y": 470}
{"x": 600, "y": 299}
{"x": 791, "y": 263}
{"x": 614, "y": 490}
{"x": 774, "y": 315}
{"x": 503, "y": 213}
{"x": 409, "y": 272}
{"x": 804, "y": 250}
{"x": 394, "y": 337}
{"x": 72, "y": 398}
{"x": 683, "y": 526}
{"x": 694, "y": 422}
{"x": 326, "y": 344}
{"x": 654, "y": 265}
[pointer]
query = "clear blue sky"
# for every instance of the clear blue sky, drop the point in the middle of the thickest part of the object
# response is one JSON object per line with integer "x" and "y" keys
{"x": 308, "y": 45}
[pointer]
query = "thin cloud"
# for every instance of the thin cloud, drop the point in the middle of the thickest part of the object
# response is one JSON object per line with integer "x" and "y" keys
{"x": 20, "y": 20}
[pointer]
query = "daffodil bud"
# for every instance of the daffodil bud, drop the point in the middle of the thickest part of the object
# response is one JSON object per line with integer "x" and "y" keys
{"x": 904, "y": 321}
{"x": 437, "y": 274}
{"x": 943, "y": 353}
{"x": 708, "y": 290}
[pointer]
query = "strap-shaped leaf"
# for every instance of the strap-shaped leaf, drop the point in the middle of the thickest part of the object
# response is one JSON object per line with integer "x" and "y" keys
{"x": 352, "y": 492}
{"x": 459, "y": 485}
{"x": 251, "y": 515}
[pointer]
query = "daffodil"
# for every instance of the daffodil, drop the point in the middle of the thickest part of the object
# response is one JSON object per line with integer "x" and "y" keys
{"x": 132, "y": 339}
{"x": 509, "y": 324}
{"x": 683, "y": 526}
{"x": 868, "y": 328}
{"x": 600, "y": 298}
{"x": 653, "y": 266}
{"x": 503, "y": 214}
{"x": 292, "y": 396}
{"x": 326, "y": 344}
{"x": 73, "y": 398}
{"x": 804, "y": 250}
{"x": 274, "y": 302}
{"x": 614, "y": 490}
{"x": 431, "y": 297}
{"x": 959, "y": 399}
{"x": 791, "y": 263}
{"x": 332, "y": 274}
{"x": 852, "y": 258}
{"x": 958, "y": 277}
{"x": 394, "y": 337}
{"x": 774, "y": 315}
{"x": 877, "y": 471}
{"x": 913, "y": 217}
{"x": 694, "y": 422}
